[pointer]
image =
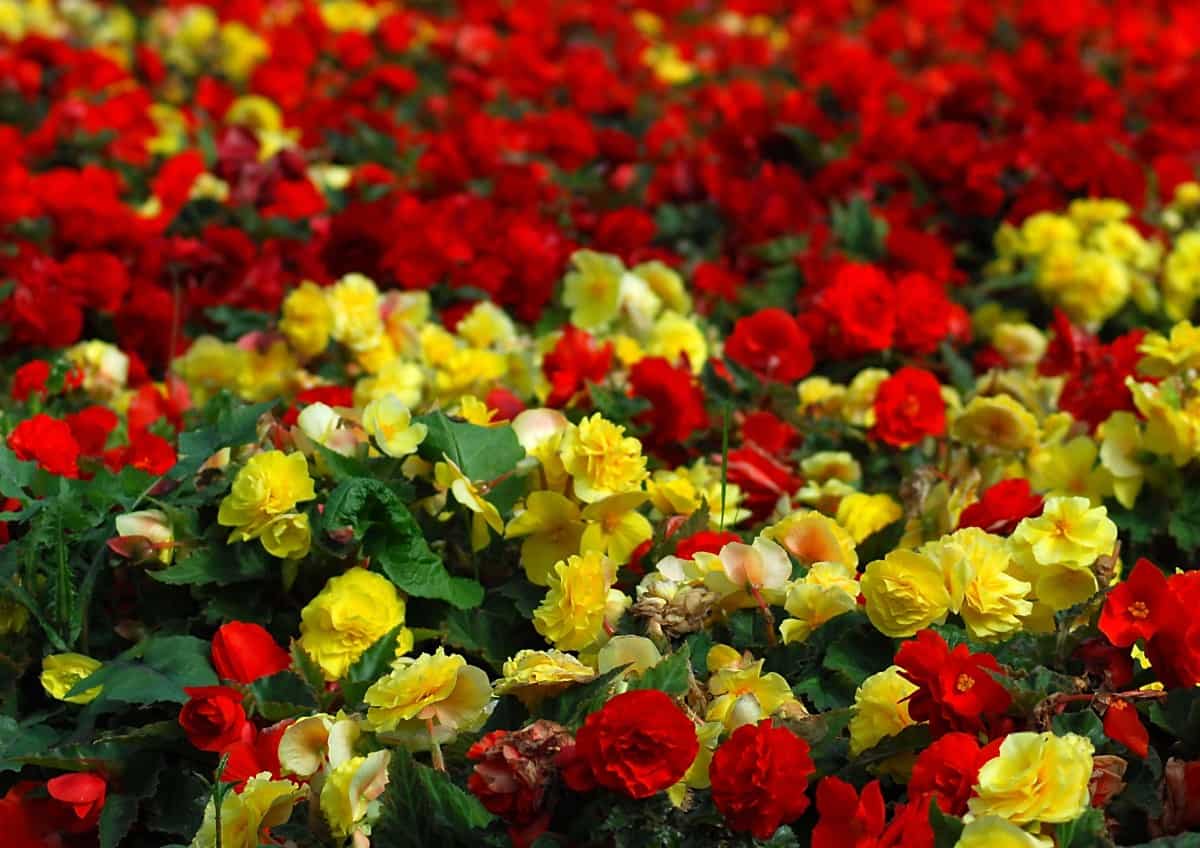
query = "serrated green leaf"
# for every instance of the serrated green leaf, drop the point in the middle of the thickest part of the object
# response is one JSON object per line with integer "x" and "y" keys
{"x": 423, "y": 807}
{"x": 1087, "y": 831}
{"x": 156, "y": 669}
{"x": 373, "y": 664}
{"x": 671, "y": 675}
{"x": 282, "y": 695}
{"x": 571, "y": 707}
{"x": 1184, "y": 521}
{"x": 1083, "y": 722}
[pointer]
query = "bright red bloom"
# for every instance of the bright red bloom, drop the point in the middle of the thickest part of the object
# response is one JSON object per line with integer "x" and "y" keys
{"x": 948, "y": 768}
{"x": 1002, "y": 506}
{"x": 676, "y": 400}
{"x": 955, "y": 688}
{"x": 860, "y": 303}
{"x": 848, "y": 820}
{"x": 513, "y": 775}
{"x": 771, "y": 344}
{"x": 49, "y": 442}
{"x": 710, "y": 541}
{"x": 769, "y": 432}
{"x": 1139, "y": 606}
{"x": 30, "y": 378}
{"x": 764, "y": 480}
{"x": 575, "y": 361}
{"x": 83, "y": 793}
{"x": 91, "y": 428}
{"x": 243, "y": 652}
{"x": 146, "y": 451}
{"x": 1123, "y": 724}
{"x": 924, "y": 315}
{"x": 759, "y": 776}
{"x": 909, "y": 407}
{"x": 214, "y": 718}
{"x": 255, "y": 754}
{"x": 638, "y": 743}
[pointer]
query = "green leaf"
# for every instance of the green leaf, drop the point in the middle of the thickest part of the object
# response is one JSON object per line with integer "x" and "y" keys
{"x": 1184, "y": 521}
{"x": 571, "y": 707}
{"x": 116, "y": 819}
{"x": 373, "y": 664}
{"x": 1083, "y": 722}
{"x": 1086, "y": 831}
{"x": 230, "y": 423}
{"x": 282, "y": 695}
{"x": 156, "y": 669}
{"x": 670, "y": 675}
{"x": 391, "y": 536}
{"x": 494, "y": 631}
{"x": 222, "y": 565}
{"x": 946, "y": 829}
{"x": 423, "y": 807}
{"x": 1179, "y": 715}
{"x": 20, "y": 740}
{"x": 15, "y": 474}
{"x": 482, "y": 453}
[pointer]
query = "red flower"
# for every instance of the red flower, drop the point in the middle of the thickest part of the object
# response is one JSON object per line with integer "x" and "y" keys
{"x": 848, "y": 820}
{"x": 860, "y": 303}
{"x": 244, "y": 652}
{"x": 1001, "y": 507}
{"x": 909, "y": 407}
{"x": 676, "y": 401}
{"x": 83, "y": 793}
{"x": 514, "y": 774}
{"x": 924, "y": 315}
{"x": 575, "y": 361}
{"x": 146, "y": 451}
{"x": 759, "y": 776}
{"x": 91, "y": 428}
{"x": 1122, "y": 724}
{"x": 771, "y": 344}
{"x": 955, "y": 689}
{"x": 638, "y": 743}
{"x": 1139, "y": 606}
{"x": 48, "y": 441}
{"x": 764, "y": 480}
{"x": 710, "y": 541}
{"x": 948, "y": 768}
{"x": 30, "y": 378}
{"x": 214, "y": 718}
{"x": 254, "y": 755}
{"x": 769, "y": 432}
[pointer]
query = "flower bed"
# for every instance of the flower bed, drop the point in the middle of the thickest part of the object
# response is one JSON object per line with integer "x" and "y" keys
{"x": 598, "y": 423}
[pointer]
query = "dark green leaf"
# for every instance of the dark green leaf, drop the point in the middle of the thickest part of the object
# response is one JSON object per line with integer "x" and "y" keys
{"x": 671, "y": 675}
{"x": 282, "y": 695}
{"x": 946, "y": 829}
{"x": 422, "y": 807}
{"x": 481, "y": 453}
{"x": 373, "y": 664}
{"x": 1086, "y": 831}
{"x": 156, "y": 669}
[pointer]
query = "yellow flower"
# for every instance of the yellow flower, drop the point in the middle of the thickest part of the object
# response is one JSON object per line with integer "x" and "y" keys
{"x": 1181, "y": 276}
{"x": 880, "y": 709}
{"x": 905, "y": 592}
{"x": 592, "y": 290}
{"x": 354, "y": 302}
{"x": 1069, "y": 532}
{"x": 995, "y": 832}
{"x": 390, "y": 423}
{"x": 352, "y": 613}
{"x": 534, "y": 675}
{"x": 1121, "y": 444}
{"x": 104, "y": 367}
{"x": 1036, "y": 777}
{"x": 1169, "y": 430}
{"x": 269, "y": 485}
{"x": 666, "y": 283}
{"x": 812, "y": 537}
{"x": 636, "y": 653}
{"x": 1019, "y": 343}
{"x": 820, "y": 394}
{"x": 862, "y": 514}
{"x": 810, "y": 605}
{"x": 487, "y": 326}
{"x": 265, "y": 375}
{"x": 317, "y": 742}
{"x": 307, "y": 320}
{"x": 744, "y": 695}
{"x": 347, "y": 795}
{"x": 474, "y": 411}
{"x": 552, "y": 529}
{"x": 675, "y": 336}
{"x": 468, "y": 371}
{"x": 831, "y": 465}
{"x": 580, "y": 603}
{"x": 1162, "y": 356}
{"x": 402, "y": 379}
{"x": 859, "y": 405}
{"x": 241, "y": 50}
{"x": 14, "y": 616}
{"x": 208, "y": 366}
{"x": 449, "y": 477}
{"x": 991, "y": 601}
{"x": 1044, "y": 230}
{"x": 540, "y": 432}
{"x": 439, "y": 688}
{"x": 348, "y": 16}
{"x": 601, "y": 459}
{"x": 321, "y": 425}
{"x": 1070, "y": 469}
{"x": 60, "y": 673}
{"x": 287, "y": 536}
{"x": 996, "y": 421}
{"x": 615, "y": 527}
{"x": 743, "y": 571}
{"x": 248, "y": 816}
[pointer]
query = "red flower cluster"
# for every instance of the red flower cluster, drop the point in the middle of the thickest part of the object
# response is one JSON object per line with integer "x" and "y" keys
{"x": 956, "y": 689}
{"x": 850, "y": 820}
{"x": 909, "y": 407}
{"x": 62, "y": 813}
{"x": 771, "y": 344}
{"x": 758, "y": 778}
{"x": 638, "y": 743}
{"x": 1095, "y": 372}
{"x": 1152, "y": 608}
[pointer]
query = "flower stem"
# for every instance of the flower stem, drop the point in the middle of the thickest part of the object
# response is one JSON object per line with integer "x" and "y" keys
{"x": 434, "y": 747}
{"x": 765, "y": 609}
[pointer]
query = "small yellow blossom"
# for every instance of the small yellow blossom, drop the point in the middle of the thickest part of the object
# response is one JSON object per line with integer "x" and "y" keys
{"x": 352, "y": 613}
{"x": 997, "y": 421}
{"x": 880, "y": 709}
{"x": 592, "y": 290}
{"x": 1069, "y": 532}
{"x": 439, "y": 688}
{"x": 390, "y": 424}
{"x": 349, "y": 792}
{"x": 744, "y": 695}
{"x": 61, "y": 673}
{"x": 307, "y": 320}
{"x": 601, "y": 459}
{"x": 248, "y": 816}
{"x": 905, "y": 592}
{"x": 552, "y": 528}
{"x": 862, "y": 514}
{"x": 269, "y": 485}
{"x": 581, "y": 604}
{"x": 449, "y": 477}
{"x": 534, "y": 675}
{"x": 615, "y": 527}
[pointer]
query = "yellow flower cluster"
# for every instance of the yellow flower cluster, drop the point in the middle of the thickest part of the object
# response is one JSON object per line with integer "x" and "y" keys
{"x": 262, "y": 502}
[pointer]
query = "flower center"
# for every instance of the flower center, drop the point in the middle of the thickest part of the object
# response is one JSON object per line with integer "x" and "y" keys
{"x": 1138, "y": 609}
{"x": 964, "y": 682}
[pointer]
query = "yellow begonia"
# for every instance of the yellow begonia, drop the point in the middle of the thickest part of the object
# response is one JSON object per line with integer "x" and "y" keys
{"x": 61, "y": 673}
{"x": 831, "y": 465}
{"x": 552, "y": 528}
{"x": 474, "y": 411}
{"x": 487, "y": 326}
{"x": 151, "y": 525}
{"x": 747, "y": 573}
{"x": 880, "y": 709}
{"x": 820, "y": 394}
{"x": 581, "y": 605}
{"x": 1019, "y": 343}
{"x": 449, "y": 477}
{"x": 1163, "y": 356}
{"x": 666, "y": 283}
{"x": 307, "y": 320}
{"x": 1070, "y": 469}
{"x": 104, "y": 367}
{"x": 812, "y": 537}
{"x": 1181, "y": 276}
{"x": 995, "y": 832}
{"x": 540, "y": 432}
{"x": 403, "y": 379}
{"x": 811, "y": 605}
{"x": 533, "y": 675}
{"x": 268, "y": 374}
{"x": 744, "y": 695}
{"x": 354, "y": 301}
{"x": 1036, "y": 777}
{"x": 241, "y": 51}
{"x": 268, "y": 486}
{"x": 592, "y": 289}
{"x": 248, "y": 816}
{"x": 976, "y": 566}
{"x": 862, "y": 514}
{"x": 1121, "y": 447}
{"x": 348, "y": 794}
{"x": 439, "y": 690}
{"x": 905, "y": 592}
{"x": 601, "y": 459}
{"x": 1170, "y": 430}
{"x": 208, "y": 366}
{"x": 467, "y": 371}
{"x": 317, "y": 742}
{"x": 349, "y": 615}
{"x": 1069, "y": 532}
{"x": 675, "y": 336}
{"x": 287, "y": 536}
{"x": 634, "y": 653}
{"x": 389, "y": 422}
{"x": 858, "y": 407}
{"x": 998, "y": 421}
{"x": 614, "y": 526}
